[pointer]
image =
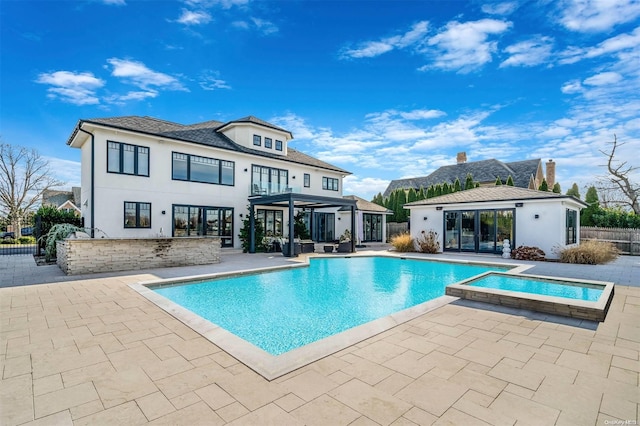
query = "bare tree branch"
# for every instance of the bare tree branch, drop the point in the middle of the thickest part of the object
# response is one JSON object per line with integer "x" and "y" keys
{"x": 619, "y": 178}
{"x": 24, "y": 176}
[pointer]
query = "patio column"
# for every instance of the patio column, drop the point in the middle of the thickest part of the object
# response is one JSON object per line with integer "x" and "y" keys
{"x": 353, "y": 229}
{"x": 292, "y": 252}
{"x": 252, "y": 230}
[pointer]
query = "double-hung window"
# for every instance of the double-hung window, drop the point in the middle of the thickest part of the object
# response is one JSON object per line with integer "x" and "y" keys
{"x": 278, "y": 145}
{"x": 307, "y": 180}
{"x": 127, "y": 159}
{"x": 330, "y": 184}
{"x": 257, "y": 140}
{"x": 268, "y": 142}
{"x": 195, "y": 168}
{"x": 137, "y": 214}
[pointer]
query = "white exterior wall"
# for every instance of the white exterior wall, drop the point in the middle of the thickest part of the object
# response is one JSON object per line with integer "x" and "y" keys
{"x": 547, "y": 232}
{"x": 242, "y": 134}
{"x": 159, "y": 189}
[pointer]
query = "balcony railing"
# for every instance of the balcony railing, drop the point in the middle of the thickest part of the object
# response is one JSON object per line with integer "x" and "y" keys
{"x": 271, "y": 189}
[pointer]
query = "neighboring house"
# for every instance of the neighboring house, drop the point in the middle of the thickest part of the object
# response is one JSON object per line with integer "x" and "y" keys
{"x": 371, "y": 221}
{"x": 63, "y": 200}
{"x": 525, "y": 174}
{"x": 145, "y": 177}
{"x": 479, "y": 220}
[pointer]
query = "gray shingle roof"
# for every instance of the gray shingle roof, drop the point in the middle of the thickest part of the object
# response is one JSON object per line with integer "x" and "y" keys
{"x": 482, "y": 171}
{"x": 205, "y": 133}
{"x": 492, "y": 193}
{"x": 367, "y": 206}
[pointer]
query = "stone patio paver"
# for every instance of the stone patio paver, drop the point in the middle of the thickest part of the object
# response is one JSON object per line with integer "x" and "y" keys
{"x": 90, "y": 351}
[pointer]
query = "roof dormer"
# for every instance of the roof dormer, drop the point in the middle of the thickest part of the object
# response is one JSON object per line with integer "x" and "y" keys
{"x": 253, "y": 133}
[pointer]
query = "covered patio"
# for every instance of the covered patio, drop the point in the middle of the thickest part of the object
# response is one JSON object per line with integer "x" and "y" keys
{"x": 291, "y": 201}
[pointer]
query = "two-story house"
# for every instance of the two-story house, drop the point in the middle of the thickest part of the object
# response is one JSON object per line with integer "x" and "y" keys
{"x": 145, "y": 177}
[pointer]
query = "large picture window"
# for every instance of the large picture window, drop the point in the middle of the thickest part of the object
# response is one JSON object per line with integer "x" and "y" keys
{"x": 190, "y": 221}
{"x": 137, "y": 215}
{"x": 127, "y": 159}
{"x": 330, "y": 184}
{"x": 195, "y": 168}
{"x": 572, "y": 223}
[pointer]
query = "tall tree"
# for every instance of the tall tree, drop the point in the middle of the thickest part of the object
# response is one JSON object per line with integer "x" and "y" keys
{"x": 587, "y": 215}
{"x": 378, "y": 199}
{"x": 556, "y": 188}
{"x": 412, "y": 195}
{"x": 24, "y": 176}
{"x": 468, "y": 182}
{"x": 510, "y": 181}
{"x": 619, "y": 178}
{"x": 574, "y": 191}
{"x": 544, "y": 186}
{"x": 498, "y": 181}
{"x": 457, "y": 186}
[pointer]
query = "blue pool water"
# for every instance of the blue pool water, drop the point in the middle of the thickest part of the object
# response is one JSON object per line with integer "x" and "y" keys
{"x": 282, "y": 310}
{"x": 542, "y": 287}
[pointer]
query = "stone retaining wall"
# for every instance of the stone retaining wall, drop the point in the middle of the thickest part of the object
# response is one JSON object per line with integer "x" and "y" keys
{"x": 83, "y": 256}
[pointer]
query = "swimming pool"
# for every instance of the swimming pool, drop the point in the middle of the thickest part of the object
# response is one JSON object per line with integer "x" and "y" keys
{"x": 282, "y": 310}
{"x": 284, "y": 318}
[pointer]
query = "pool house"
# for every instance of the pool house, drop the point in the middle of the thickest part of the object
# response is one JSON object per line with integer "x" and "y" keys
{"x": 479, "y": 220}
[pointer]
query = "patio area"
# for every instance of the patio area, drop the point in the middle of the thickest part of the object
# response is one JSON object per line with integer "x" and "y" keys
{"x": 88, "y": 350}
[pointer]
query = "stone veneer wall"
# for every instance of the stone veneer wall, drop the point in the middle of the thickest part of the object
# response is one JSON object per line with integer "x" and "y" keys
{"x": 82, "y": 256}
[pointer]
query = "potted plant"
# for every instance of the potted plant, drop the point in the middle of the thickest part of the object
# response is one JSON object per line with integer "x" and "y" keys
{"x": 344, "y": 244}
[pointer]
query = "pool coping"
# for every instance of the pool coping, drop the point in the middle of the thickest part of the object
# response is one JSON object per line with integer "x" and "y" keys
{"x": 573, "y": 308}
{"x": 273, "y": 366}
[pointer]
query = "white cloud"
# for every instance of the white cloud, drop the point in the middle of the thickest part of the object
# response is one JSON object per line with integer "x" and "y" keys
{"x": 131, "y": 96}
{"x": 72, "y": 87}
{"x": 506, "y": 8}
{"x": 115, "y": 2}
{"x": 464, "y": 46}
{"x": 224, "y": 4}
{"x": 140, "y": 75}
{"x": 422, "y": 114}
{"x": 210, "y": 80}
{"x": 66, "y": 171}
{"x": 602, "y": 79}
{"x": 597, "y": 15}
{"x": 261, "y": 25}
{"x": 366, "y": 187}
{"x": 573, "y": 86}
{"x": 613, "y": 45}
{"x": 370, "y": 49}
{"x": 190, "y": 17}
{"x": 528, "y": 53}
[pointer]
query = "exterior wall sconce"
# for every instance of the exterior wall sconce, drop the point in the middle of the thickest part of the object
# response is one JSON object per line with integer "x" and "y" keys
{"x": 339, "y": 218}
{"x": 536, "y": 216}
{"x": 425, "y": 218}
{"x": 164, "y": 212}
{"x": 293, "y": 177}
{"x": 519, "y": 204}
{"x": 246, "y": 170}
{"x": 439, "y": 208}
{"x": 240, "y": 214}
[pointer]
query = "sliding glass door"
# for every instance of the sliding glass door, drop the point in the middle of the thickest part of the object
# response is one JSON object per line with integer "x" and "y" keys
{"x": 479, "y": 231}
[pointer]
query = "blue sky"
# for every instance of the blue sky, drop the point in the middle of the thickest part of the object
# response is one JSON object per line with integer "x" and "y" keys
{"x": 383, "y": 89}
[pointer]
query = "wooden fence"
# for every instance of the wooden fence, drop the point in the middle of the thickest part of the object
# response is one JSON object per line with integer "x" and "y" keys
{"x": 395, "y": 228}
{"x": 627, "y": 240}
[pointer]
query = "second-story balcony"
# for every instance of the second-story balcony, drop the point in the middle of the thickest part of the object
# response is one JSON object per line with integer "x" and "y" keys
{"x": 265, "y": 188}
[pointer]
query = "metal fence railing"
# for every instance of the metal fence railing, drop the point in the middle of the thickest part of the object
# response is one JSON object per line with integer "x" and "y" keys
{"x": 10, "y": 249}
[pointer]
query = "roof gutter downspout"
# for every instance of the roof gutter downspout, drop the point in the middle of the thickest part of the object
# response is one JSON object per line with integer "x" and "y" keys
{"x": 91, "y": 197}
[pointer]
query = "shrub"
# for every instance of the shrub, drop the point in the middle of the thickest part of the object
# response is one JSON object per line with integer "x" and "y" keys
{"x": 403, "y": 242}
{"x": 590, "y": 253}
{"x": 527, "y": 253}
{"x": 57, "y": 233}
{"x": 27, "y": 240}
{"x": 428, "y": 242}
{"x": 7, "y": 241}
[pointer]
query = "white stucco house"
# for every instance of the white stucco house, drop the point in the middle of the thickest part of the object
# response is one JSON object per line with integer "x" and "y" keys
{"x": 143, "y": 177}
{"x": 480, "y": 219}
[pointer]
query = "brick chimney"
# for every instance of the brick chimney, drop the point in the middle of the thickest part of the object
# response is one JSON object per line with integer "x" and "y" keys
{"x": 551, "y": 174}
{"x": 461, "y": 158}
